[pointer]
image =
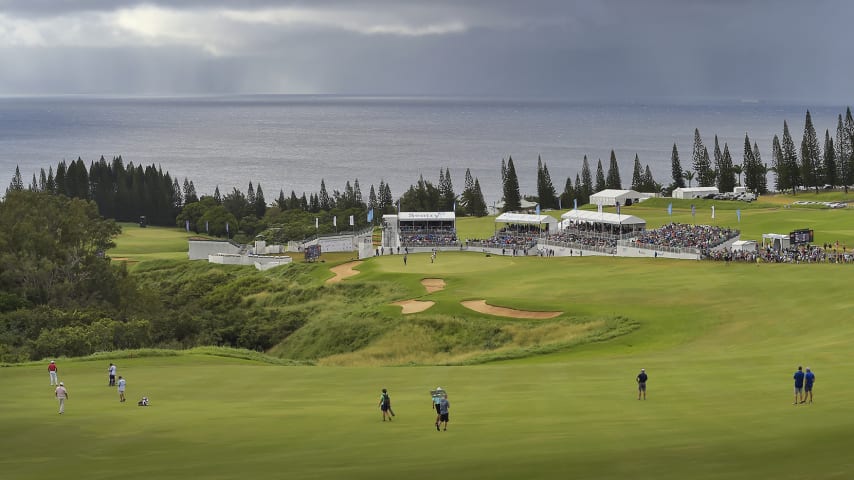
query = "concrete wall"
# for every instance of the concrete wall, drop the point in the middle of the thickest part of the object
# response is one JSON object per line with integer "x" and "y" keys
{"x": 201, "y": 249}
{"x": 258, "y": 261}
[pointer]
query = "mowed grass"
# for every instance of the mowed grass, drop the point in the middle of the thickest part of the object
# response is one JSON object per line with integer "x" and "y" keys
{"x": 137, "y": 244}
{"x": 720, "y": 344}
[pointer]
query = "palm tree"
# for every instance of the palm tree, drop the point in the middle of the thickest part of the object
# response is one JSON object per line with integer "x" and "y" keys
{"x": 688, "y": 175}
{"x": 738, "y": 170}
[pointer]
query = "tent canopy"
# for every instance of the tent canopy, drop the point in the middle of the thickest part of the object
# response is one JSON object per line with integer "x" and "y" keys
{"x": 612, "y": 196}
{"x": 604, "y": 217}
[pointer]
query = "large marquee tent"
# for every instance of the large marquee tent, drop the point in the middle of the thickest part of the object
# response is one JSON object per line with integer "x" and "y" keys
{"x": 550, "y": 222}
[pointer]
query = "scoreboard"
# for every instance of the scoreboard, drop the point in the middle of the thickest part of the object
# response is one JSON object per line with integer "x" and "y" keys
{"x": 799, "y": 237}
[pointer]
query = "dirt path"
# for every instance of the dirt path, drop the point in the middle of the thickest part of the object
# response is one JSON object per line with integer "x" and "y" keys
{"x": 413, "y": 306}
{"x": 433, "y": 284}
{"x": 481, "y": 306}
{"x": 345, "y": 270}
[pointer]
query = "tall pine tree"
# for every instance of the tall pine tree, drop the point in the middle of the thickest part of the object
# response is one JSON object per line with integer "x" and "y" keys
{"x": 676, "y": 169}
{"x": 512, "y": 197}
{"x": 810, "y": 155}
{"x": 829, "y": 165}
{"x": 613, "y": 181}
{"x": 790, "y": 160}
{"x": 600, "y": 177}
{"x": 637, "y": 175}
{"x": 586, "y": 189}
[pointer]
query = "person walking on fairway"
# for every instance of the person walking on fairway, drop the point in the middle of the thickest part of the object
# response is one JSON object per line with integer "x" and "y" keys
{"x": 61, "y": 395}
{"x": 112, "y": 372}
{"x": 444, "y": 406}
{"x": 809, "y": 380}
{"x": 51, "y": 369}
{"x": 642, "y": 377}
{"x": 799, "y": 384}
{"x": 121, "y": 383}
{"x": 385, "y": 405}
{"x": 437, "y": 395}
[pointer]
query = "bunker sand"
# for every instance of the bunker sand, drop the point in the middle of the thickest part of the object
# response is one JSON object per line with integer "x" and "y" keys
{"x": 433, "y": 284}
{"x": 345, "y": 270}
{"x": 413, "y": 306}
{"x": 481, "y": 306}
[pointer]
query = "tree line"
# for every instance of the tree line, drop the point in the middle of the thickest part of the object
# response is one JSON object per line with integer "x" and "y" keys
{"x": 811, "y": 167}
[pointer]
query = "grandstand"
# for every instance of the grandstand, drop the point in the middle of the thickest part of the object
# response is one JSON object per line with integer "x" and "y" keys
{"x": 678, "y": 240}
{"x": 422, "y": 231}
{"x": 518, "y": 236}
{"x": 593, "y": 233}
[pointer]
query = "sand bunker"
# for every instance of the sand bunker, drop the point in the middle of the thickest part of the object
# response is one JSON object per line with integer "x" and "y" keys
{"x": 345, "y": 270}
{"x": 413, "y": 306}
{"x": 481, "y": 306}
{"x": 433, "y": 284}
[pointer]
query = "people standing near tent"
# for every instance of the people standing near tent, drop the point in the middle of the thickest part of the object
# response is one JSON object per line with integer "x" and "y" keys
{"x": 61, "y": 395}
{"x": 799, "y": 384}
{"x": 112, "y": 373}
{"x": 121, "y": 384}
{"x": 51, "y": 369}
{"x": 809, "y": 380}
{"x": 641, "y": 379}
{"x": 385, "y": 405}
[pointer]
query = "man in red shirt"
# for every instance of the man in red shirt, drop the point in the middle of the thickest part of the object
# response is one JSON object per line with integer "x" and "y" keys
{"x": 51, "y": 368}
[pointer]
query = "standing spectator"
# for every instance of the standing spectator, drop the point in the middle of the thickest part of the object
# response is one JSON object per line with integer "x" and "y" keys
{"x": 61, "y": 395}
{"x": 385, "y": 405}
{"x": 112, "y": 371}
{"x": 809, "y": 380}
{"x": 437, "y": 395}
{"x": 799, "y": 384}
{"x": 51, "y": 369}
{"x": 642, "y": 378}
{"x": 444, "y": 406}
{"x": 121, "y": 384}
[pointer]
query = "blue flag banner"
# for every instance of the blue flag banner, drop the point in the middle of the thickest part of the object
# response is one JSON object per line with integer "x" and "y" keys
{"x": 738, "y": 215}
{"x": 670, "y": 209}
{"x": 618, "y": 208}
{"x": 371, "y": 215}
{"x": 693, "y": 210}
{"x": 207, "y": 227}
{"x": 187, "y": 225}
{"x": 575, "y": 203}
{"x": 455, "y": 206}
{"x": 226, "y": 227}
{"x": 538, "y": 209}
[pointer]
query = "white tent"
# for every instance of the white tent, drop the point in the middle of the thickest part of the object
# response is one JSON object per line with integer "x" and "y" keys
{"x": 744, "y": 246}
{"x": 776, "y": 241}
{"x": 610, "y": 197}
{"x": 528, "y": 219}
{"x": 578, "y": 216}
{"x": 693, "y": 192}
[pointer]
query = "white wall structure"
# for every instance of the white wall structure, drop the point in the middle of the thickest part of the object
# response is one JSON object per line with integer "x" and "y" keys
{"x": 685, "y": 193}
{"x": 200, "y": 249}
{"x": 261, "y": 262}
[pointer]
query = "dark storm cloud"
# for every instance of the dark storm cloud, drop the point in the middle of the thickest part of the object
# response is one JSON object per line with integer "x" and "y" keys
{"x": 615, "y": 49}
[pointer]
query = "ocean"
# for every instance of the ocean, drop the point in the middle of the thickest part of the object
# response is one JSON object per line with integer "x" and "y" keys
{"x": 292, "y": 142}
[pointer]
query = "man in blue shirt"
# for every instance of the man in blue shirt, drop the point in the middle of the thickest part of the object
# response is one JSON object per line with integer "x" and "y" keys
{"x": 444, "y": 406}
{"x": 799, "y": 384}
{"x": 437, "y": 396}
{"x": 809, "y": 379}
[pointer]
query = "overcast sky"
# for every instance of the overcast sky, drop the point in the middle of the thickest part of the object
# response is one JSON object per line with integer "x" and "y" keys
{"x": 787, "y": 50}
